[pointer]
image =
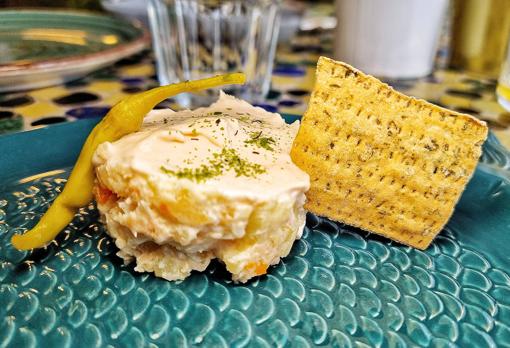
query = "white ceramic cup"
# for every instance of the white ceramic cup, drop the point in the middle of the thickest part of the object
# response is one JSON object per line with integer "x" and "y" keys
{"x": 389, "y": 38}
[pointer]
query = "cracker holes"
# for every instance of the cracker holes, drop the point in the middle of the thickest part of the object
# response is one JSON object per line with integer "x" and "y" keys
{"x": 349, "y": 73}
{"x": 331, "y": 145}
{"x": 392, "y": 127}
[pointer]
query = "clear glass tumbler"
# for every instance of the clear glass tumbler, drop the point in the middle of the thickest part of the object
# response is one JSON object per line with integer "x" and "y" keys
{"x": 194, "y": 39}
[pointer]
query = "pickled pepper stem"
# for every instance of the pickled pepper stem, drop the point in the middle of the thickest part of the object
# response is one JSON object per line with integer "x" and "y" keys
{"x": 124, "y": 117}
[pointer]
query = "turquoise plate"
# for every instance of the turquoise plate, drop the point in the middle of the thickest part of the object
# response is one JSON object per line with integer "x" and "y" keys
{"x": 338, "y": 287}
{"x": 46, "y": 47}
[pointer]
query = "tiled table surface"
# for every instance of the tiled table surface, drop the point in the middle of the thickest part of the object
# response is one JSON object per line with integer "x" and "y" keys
{"x": 292, "y": 82}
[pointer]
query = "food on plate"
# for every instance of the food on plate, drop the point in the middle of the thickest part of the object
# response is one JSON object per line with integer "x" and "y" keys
{"x": 192, "y": 186}
{"x": 125, "y": 117}
{"x": 230, "y": 181}
{"x": 382, "y": 161}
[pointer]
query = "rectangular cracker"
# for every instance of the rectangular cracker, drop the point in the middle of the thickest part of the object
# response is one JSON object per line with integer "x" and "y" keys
{"x": 382, "y": 161}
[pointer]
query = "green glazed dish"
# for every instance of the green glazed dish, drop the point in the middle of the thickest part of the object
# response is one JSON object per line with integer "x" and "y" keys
{"x": 339, "y": 287}
{"x": 46, "y": 47}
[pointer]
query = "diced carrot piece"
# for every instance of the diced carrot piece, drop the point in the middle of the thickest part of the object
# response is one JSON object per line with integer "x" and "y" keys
{"x": 259, "y": 268}
{"x": 103, "y": 194}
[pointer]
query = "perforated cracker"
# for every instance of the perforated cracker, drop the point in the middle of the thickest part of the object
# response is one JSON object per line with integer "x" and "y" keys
{"x": 382, "y": 161}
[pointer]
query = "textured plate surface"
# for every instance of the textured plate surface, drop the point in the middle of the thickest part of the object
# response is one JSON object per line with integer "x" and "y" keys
{"x": 338, "y": 287}
{"x": 41, "y": 47}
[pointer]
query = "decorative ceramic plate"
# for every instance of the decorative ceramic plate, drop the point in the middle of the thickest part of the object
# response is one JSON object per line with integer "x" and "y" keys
{"x": 338, "y": 287}
{"x": 46, "y": 47}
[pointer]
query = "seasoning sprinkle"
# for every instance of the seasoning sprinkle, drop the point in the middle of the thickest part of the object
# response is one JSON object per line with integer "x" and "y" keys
{"x": 227, "y": 159}
{"x": 260, "y": 141}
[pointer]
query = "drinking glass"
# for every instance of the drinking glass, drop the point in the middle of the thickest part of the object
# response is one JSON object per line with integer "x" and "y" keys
{"x": 503, "y": 89}
{"x": 194, "y": 39}
{"x": 394, "y": 39}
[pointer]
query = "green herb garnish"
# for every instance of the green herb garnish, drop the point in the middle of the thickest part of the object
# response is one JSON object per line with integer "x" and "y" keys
{"x": 227, "y": 159}
{"x": 261, "y": 141}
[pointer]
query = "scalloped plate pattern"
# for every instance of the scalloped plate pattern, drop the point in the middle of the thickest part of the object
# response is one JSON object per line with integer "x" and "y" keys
{"x": 339, "y": 286}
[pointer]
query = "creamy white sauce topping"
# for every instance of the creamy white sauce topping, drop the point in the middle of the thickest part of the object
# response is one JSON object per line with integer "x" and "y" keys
{"x": 230, "y": 146}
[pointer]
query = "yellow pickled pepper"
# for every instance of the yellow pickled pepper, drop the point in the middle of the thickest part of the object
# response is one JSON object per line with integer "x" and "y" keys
{"x": 125, "y": 117}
